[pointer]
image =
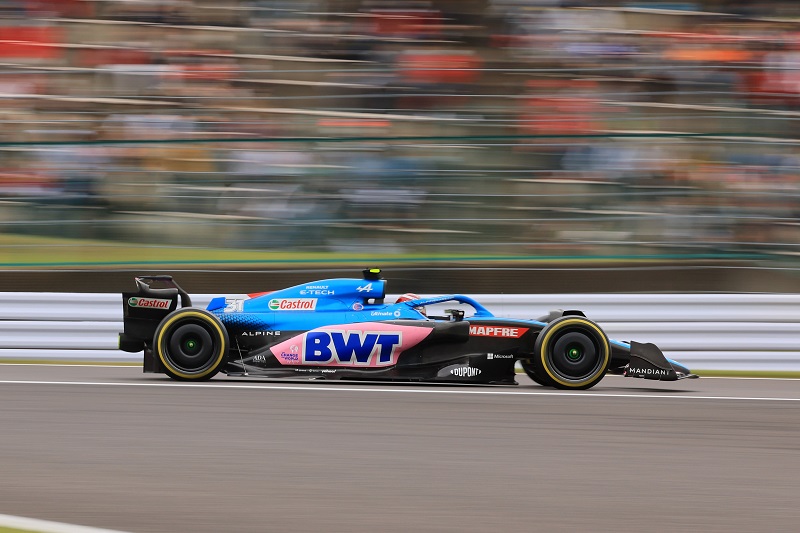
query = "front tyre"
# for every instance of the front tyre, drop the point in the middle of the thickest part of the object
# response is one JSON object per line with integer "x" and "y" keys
{"x": 571, "y": 352}
{"x": 191, "y": 343}
{"x": 527, "y": 366}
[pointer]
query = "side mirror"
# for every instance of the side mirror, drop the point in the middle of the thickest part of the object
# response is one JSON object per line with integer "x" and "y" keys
{"x": 455, "y": 314}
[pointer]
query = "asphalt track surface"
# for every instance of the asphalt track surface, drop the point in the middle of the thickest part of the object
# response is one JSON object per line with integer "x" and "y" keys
{"x": 111, "y": 447}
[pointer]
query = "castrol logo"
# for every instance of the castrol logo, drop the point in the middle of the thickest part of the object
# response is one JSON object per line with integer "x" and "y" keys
{"x": 151, "y": 303}
{"x": 293, "y": 304}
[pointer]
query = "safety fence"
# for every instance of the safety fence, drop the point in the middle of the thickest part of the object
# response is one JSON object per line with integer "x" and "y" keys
{"x": 704, "y": 331}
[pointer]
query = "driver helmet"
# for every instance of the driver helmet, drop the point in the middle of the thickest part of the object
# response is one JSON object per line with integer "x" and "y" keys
{"x": 411, "y": 296}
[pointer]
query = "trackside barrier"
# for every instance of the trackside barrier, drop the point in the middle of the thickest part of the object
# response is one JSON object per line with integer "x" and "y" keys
{"x": 704, "y": 331}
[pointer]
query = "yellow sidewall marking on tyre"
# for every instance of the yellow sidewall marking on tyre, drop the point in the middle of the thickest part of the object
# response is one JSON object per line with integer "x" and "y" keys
{"x": 560, "y": 326}
{"x": 207, "y": 320}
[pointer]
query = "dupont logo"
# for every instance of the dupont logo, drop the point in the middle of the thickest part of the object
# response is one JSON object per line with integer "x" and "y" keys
{"x": 152, "y": 303}
{"x": 293, "y": 304}
{"x": 496, "y": 331}
{"x": 466, "y": 371}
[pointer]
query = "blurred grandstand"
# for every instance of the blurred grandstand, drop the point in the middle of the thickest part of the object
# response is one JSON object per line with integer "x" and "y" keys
{"x": 480, "y": 128}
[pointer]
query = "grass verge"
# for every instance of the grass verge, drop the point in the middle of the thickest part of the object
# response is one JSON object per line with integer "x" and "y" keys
{"x": 747, "y": 374}
{"x": 27, "y": 251}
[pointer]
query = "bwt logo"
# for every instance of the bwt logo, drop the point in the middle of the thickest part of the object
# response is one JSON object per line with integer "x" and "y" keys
{"x": 357, "y": 347}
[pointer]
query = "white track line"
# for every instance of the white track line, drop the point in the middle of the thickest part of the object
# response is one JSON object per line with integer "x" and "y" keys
{"x": 46, "y": 526}
{"x": 85, "y": 365}
{"x": 322, "y": 388}
{"x": 138, "y": 367}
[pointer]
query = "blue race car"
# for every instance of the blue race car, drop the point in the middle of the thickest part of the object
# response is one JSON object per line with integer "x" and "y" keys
{"x": 343, "y": 329}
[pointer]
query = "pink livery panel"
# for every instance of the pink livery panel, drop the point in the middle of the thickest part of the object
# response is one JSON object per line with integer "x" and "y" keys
{"x": 365, "y": 344}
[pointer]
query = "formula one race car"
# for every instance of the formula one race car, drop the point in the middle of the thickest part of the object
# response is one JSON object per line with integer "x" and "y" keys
{"x": 343, "y": 329}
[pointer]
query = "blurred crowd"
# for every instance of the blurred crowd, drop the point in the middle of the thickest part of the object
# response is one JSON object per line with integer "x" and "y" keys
{"x": 491, "y": 127}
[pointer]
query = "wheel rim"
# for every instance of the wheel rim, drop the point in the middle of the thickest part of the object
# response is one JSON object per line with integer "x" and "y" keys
{"x": 191, "y": 348}
{"x": 575, "y": 356}
{"x": 574, "y": 353}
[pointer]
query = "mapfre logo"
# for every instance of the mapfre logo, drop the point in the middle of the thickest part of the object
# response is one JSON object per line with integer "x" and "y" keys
{"x": 151, "y": 303}
{"x": 293, "y": 304}
{"x": 497, "y": 331}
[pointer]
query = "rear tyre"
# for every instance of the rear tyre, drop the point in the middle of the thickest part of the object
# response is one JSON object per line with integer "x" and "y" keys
{"x": 192, "y": 344}
{"x": 571, "y": 352}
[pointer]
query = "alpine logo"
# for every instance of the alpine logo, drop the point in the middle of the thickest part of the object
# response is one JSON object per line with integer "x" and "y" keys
{"x": 293, "y": 304}
{"x": 466, "y": 371}
{"x": 496, "y": 331}
{"x": 355, "y": 347}
{"x": 152, "y": 303}
{"x": 260, "y": 333}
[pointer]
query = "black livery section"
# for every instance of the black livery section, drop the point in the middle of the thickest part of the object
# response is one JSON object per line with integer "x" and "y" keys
{"x": 448, "y": 354}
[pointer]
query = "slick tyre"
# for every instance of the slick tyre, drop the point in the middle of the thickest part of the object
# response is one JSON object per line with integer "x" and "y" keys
{"x": 192, "y": 344}
{"x": 527, "y": 366}
{"x": 571, "y": 352}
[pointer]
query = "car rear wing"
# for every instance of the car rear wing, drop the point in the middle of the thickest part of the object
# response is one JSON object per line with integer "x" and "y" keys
{"x": 143, "y": 310}
{"x": 169, "y": 290}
